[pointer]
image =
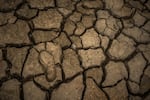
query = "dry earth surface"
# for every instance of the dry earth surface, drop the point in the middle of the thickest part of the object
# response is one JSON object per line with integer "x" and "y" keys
{"x": 74, "y": 49}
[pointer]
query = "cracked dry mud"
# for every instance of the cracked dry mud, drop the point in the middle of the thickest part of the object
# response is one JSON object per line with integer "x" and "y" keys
{"x": 74, "y": 50}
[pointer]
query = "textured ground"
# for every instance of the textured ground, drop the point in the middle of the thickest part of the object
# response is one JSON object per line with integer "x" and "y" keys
{"x": 74, "y": 50}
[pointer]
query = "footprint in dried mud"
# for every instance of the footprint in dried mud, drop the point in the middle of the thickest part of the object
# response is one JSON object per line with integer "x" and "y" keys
{"x": 47, "y": 61}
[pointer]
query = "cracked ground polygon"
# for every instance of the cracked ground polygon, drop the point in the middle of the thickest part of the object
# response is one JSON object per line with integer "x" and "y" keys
{"x": 74, "y": 50}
